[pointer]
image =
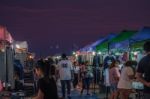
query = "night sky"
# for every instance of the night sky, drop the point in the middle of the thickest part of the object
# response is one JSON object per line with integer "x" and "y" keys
{"x": 52, "y": 26}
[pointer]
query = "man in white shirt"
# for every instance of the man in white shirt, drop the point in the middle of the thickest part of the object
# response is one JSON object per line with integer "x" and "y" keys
{"x": 65, "y": 73}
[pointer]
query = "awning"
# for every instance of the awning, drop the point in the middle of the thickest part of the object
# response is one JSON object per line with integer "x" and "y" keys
{"x": 114, "y": 41}
{"x": 5, "y": 35}
{"x": 104, "y": 45}
{"x": 143, "y": 34}
{"x": 122, "y": 40}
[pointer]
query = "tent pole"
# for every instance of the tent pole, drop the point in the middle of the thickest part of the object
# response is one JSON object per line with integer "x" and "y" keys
{"x": 129, "y": 50}
{"x": 108, "y": 47}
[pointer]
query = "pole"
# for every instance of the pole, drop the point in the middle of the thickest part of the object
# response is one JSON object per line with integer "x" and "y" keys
{"x": 129, "y": 50}
{"x": 94, "y": 79}
{"x": 107, "y": 68}
{"x": 6, "y": 65}
{"x": 108, "y": 47}
{"x": 95, "y": 72}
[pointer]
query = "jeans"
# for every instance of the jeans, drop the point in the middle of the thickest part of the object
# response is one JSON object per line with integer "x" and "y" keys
{"x": 75, "y": 81}
{"x": 65, "y": 83}
{"x": 86, "y": 84}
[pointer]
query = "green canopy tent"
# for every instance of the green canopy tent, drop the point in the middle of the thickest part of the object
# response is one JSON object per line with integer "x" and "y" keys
{"x": 122, "y": 36}
{"x": 103, "y": 45}
{"x": 140, "y": 37}
{"x": 138, "y": 45}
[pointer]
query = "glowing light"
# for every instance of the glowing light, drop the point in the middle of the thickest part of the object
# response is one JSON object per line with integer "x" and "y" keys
{"x": 117, "y": 53}
{"x": 58, "y": 57}
{"x": 99, "y": 53}
{"x": 3, "y": 50}
{"x": 17, "y": 46}
{"x": 93, "y": 53}
{"x": 74, "y": 53}
{"x": 135, "y": 53}
{"x": 31, "y": 57}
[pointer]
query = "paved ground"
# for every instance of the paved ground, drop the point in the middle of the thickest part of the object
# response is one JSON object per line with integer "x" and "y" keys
{"x": 75, "y": 94}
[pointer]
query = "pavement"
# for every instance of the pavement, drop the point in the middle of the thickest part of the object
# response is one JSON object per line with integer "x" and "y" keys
{"x": 75, "y": 94}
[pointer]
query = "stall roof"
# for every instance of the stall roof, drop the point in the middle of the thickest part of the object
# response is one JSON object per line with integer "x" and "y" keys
{"x": 122, "y": 41}
{"x": 136, "y": 40}
{"x": 5, "y": 35}
{"x": 104, "y": 45}
{"x": 92, "y": 47}
{"x": 140, "y": 37}
{"x": 122, "y": 36}
{"x": 86, "y": 48}
{"x": 143, "y": 34}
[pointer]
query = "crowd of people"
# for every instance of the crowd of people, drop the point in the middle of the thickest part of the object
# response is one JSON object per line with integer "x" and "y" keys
{"x": 122, "y": 80}
{"x": 72, "y": 75}
{"x": 81, "y": 76}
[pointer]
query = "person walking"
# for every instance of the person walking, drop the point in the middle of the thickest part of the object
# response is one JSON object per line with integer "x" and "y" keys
{"x": 65, "y": 72}
{"x": 114, "y": 76}
{"x": 47, "y": 88}
{"x": 76, "y": 71}
{"x": 125, "y": 81}
{"x": 86, "y": 75}
{"x": 144, "y": 69}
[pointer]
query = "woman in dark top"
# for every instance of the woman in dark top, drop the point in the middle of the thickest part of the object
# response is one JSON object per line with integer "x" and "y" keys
{"x": 47, "y": 88}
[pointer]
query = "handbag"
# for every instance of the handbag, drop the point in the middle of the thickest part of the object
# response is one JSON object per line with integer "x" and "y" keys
{"x": 137, "y": 85}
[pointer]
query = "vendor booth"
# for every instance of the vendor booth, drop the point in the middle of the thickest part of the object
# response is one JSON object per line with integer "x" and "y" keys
{"x": 6, "y": 56}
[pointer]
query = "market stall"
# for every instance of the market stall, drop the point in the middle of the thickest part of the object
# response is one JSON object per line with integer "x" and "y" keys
{"x": 6, "y": 56}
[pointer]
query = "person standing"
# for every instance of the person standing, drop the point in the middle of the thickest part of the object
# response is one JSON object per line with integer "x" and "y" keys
{"x": 143, "y": 70}
{"x": 76, "y": 71}
{"x": 47, "y": 88}
{"x": 114, "y": 76}
{"x": 125, "y": 81}
{"x": 86, "y": 76}
{"x": 65, "y": 73}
